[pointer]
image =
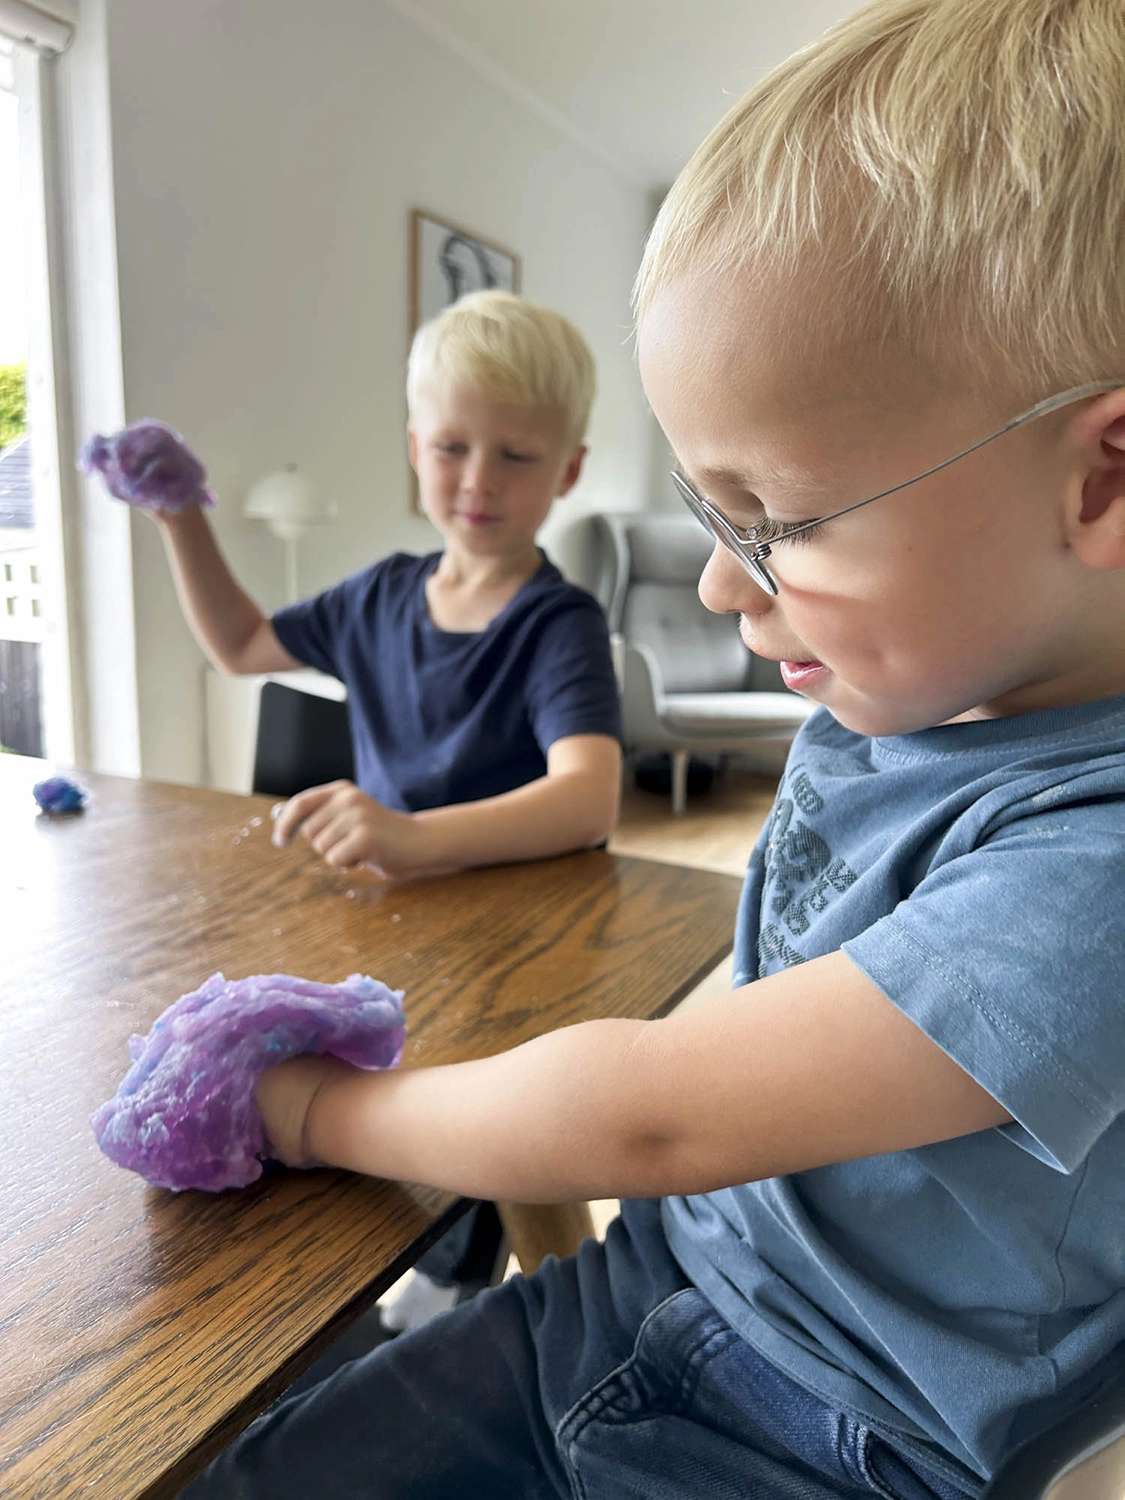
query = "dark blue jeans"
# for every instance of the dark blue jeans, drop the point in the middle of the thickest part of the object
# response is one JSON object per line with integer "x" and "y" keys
{"x": 466, "y": 1255}
{"x": 601, "y": 1377}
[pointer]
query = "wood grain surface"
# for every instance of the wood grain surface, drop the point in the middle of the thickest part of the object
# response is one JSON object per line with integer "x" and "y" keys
{"x": 140, "y": 1329}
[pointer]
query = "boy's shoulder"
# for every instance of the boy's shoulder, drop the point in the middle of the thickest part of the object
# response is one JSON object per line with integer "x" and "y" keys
{"x": 396, "y": 574}
{"x": 563, "y": 620}
{"x": 404, "y": 567}
{"x": 1048, "y": 745}
{"x": 400, "y": 572}
{"x": 1048, "y": 780}
{"x": 550, "y": 588}
{"x": 934, "y": 840}
{"x": 1011, "y": 796}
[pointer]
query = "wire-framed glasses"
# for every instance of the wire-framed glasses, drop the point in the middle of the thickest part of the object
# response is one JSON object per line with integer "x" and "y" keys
{"x": 752, "y": 545}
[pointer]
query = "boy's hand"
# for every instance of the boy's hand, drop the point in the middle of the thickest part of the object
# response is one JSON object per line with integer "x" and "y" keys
{"x": 148, "y": 465}
{"x": 284, "y": 1096}
{"x": 347, "y": 827}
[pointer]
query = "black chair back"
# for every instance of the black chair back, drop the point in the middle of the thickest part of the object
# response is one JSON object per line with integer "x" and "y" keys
{"x": 303, "y": 740}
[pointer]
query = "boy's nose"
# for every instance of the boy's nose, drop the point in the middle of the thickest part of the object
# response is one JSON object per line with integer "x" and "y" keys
{"x": 726, "y": 588}
{"x": 478, "y": 476}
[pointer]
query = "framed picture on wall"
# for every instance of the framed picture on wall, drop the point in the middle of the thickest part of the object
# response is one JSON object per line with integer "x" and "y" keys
{"x": 448, "y": 261}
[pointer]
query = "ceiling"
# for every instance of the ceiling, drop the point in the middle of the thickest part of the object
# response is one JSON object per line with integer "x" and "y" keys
{"x": 638, "y": 81}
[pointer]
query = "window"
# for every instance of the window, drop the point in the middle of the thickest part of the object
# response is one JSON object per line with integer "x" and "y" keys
{"x": 35, "y": 696}
{"x": 21, "y": 716}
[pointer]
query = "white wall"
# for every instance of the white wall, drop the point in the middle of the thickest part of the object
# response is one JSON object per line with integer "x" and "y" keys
{"x": 263, "y": 171}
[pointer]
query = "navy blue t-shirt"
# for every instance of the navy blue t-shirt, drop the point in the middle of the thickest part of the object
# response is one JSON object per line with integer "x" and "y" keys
{"x": 439, "y": 717}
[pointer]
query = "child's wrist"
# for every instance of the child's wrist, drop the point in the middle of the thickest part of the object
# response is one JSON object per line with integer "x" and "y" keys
{"x": 431, "y": 850}
{"x": 174, "y": 520}
{"x": 309, "y": 1157}
{"x": 313, "y": 1143}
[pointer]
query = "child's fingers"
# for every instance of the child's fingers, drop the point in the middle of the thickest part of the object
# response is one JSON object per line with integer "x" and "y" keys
{"x": 298, "y": 809}
{"x": 345, "y": 853}
{"x": 345, "y": 845}
{"x": 333, "y": 826}
{"x": 289, "y": 818}
{"x": 316, "y": 827}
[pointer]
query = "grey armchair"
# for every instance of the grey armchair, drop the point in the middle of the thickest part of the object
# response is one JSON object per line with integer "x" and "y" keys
{"x": 687, "y": 682}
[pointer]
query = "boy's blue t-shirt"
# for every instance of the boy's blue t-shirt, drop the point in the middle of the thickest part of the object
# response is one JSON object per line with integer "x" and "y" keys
{"x": 438, "y": 717}
{"x": 955, "y": 1297}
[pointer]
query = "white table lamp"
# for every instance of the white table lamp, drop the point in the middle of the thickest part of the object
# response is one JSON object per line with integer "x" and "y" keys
{"x": 284, "y": 501}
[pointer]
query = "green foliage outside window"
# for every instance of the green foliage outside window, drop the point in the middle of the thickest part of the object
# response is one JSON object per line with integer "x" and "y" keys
{"x": 13, "y": 403}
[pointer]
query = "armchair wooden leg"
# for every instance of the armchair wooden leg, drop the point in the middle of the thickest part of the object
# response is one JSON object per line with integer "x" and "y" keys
{"x": 536, "y": 1230}
{"x": 680, "y": 759}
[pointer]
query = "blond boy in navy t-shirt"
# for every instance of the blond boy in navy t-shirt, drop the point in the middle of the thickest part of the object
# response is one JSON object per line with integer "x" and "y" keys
{"x": 482, "y": 698}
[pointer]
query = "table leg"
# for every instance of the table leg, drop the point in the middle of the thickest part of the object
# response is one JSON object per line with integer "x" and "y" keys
{"x": 536, "y": 1230}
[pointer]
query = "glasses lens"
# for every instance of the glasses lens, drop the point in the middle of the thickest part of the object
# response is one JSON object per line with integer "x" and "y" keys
{"x": 718, "y": 527}
{"x": 695, "y": 504}
{"x": 759, "y": 573}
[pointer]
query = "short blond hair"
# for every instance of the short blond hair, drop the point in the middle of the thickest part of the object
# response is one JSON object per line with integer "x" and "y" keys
{"x": 948, "y": 174}
{"x": 512, "y": 350}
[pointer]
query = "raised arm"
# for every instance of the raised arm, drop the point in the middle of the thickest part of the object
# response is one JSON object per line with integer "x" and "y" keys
{"x": 810, "y": 1066}
{"x": 226, "y": 622}
{"x": 149, "y": 466}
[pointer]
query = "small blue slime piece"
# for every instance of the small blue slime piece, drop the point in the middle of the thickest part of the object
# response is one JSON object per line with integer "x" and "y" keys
{"x": 58, "y": 795}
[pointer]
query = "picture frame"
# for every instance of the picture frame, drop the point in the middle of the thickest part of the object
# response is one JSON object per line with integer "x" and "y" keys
{"x": 447, "y": 261}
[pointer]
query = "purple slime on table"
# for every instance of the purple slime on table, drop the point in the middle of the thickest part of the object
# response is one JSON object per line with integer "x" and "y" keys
{"x": 184, "y": 1115}
{"x": 148, "y": 465}
{"x": 59, "y": 795}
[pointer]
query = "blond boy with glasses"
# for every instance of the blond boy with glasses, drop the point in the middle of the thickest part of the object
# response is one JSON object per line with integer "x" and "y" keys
{"x": 873, "y": 1242}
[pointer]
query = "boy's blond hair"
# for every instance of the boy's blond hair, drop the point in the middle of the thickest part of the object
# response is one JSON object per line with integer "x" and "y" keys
{"x": 944, "y": 175}
{"x": 512, "y": 350}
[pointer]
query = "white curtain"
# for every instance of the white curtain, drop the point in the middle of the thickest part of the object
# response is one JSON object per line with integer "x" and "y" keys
{"x": 46, "y": 24}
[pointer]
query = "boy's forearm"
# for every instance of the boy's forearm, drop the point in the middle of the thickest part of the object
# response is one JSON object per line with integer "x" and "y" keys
{"x": 222, "y": 617}
{"x": 567, "y": 1116}
{"x": 552, "y": 815}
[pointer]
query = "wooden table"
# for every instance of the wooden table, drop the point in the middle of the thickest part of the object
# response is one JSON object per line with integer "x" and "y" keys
{"x": 141, "y": 1329}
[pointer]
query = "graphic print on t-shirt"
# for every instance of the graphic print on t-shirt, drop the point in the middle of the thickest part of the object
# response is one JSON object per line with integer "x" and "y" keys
{"x": 801, "y": 874}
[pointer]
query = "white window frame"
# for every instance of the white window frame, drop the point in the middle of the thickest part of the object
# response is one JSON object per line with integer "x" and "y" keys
{"x": 57, "y": 684}
{"x": 76, "y": 386}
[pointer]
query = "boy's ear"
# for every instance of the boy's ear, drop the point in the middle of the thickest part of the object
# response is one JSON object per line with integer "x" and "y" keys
{"x": 412, "y": 447}
{"x": 1097, "y": 521}
{"x": 572, "y": 471}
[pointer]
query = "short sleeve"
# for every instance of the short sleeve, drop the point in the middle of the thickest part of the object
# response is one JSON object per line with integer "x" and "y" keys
{"x": 572, "y": 688}
{"x": 314, "y": 629}
{"x": 1011, "y": 957}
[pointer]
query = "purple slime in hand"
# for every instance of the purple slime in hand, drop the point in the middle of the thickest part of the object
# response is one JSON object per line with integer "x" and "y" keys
{"x": 148, "y": 465}
{"x": 184, "y": 1115}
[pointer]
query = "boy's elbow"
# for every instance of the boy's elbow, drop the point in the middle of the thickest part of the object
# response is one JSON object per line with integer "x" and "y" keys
{"x": 257, "y": 652}
{"x": 232, "y": 663}
{"x": 606, "y": 827}
{"x": 586, "y": 796}
{"x": 598, "y": 819}
{"x": 239, "y": 666}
